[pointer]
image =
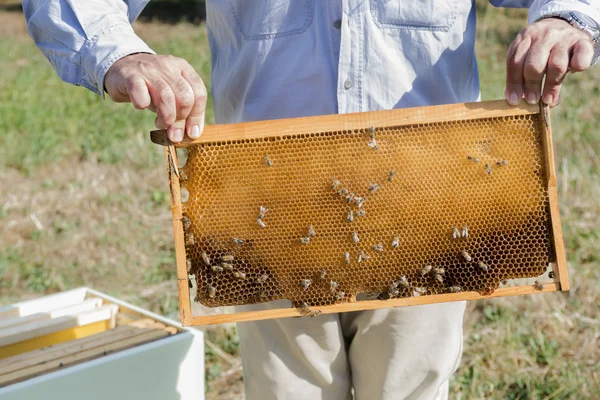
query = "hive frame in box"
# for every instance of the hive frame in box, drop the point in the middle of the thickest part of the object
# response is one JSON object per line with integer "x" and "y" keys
{"x": 396, "y": 118}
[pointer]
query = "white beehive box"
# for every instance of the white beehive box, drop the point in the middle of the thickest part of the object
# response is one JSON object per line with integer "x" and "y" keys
{"x": 170, "y": 367}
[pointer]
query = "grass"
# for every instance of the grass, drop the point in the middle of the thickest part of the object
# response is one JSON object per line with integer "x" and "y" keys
{"x": 83, "y": 200}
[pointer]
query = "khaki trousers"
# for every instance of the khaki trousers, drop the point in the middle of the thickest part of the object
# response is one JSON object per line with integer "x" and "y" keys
{"x": 398, "y": 353}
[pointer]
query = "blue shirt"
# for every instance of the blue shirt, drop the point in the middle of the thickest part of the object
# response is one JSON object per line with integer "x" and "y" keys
{"x": 290, "y": 58}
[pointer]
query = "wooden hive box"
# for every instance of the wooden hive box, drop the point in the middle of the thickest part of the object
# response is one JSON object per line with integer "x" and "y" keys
{"x": 368, "y": 210}
{"x": 84, "y": 344}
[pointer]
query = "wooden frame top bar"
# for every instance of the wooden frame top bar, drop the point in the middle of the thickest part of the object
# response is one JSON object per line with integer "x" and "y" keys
{"x": 337, "y": 122}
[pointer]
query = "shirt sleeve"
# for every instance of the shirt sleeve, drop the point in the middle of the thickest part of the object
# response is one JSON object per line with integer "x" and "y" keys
{"x": 83, "y": 38}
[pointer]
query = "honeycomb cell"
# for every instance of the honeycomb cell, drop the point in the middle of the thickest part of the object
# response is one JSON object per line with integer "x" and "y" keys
{"x": 439, "y": 181}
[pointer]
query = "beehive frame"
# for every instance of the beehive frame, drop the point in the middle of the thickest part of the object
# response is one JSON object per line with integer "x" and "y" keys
{"x": 356, "y": 125}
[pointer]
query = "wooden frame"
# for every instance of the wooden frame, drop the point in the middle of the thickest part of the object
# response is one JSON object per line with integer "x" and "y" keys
{"x": 350, "y": 122}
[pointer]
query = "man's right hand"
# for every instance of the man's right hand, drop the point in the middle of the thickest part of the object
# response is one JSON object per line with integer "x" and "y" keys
{"x": 166, "y": 85}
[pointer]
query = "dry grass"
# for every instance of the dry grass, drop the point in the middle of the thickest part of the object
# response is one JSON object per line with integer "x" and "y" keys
{"x": 73, "y": 214}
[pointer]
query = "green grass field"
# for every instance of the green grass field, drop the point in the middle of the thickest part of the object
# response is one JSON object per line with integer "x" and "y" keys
{"x": 83, "y": 200}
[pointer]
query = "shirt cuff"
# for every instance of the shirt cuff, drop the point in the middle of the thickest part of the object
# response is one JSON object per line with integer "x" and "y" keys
{"x": 106, "y": 48}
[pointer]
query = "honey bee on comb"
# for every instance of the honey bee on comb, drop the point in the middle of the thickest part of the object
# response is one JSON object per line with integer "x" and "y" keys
{"x": 268, "y": 161}
{"x": 391, "y": 175}
{"x": 425, "y": 270}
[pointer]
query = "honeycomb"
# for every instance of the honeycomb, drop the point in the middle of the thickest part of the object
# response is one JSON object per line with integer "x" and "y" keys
{"x": 436, "y": 208}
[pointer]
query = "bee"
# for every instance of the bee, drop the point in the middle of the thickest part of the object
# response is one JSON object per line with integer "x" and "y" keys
{"x": 227, "y": 257}
{"x": 466, "y": 256}
{"x": 374, "y": 187}
{"x": 350, "y": 216}
{"x": 261, "y": 223}
{"x": 305, "y": 283}
{"x": 378, "y": 247}
{"x": 455, "y": 233}
{"x": 474, "y": 159}
{"x": 190, "y": 240}
{"x": 439, "y": 278}
{"x": 359, "y": 201}
{"x": 205, "y": 258}
{"x": 262, "y": 293}
{"x": 190, "y": 285}
{"x": 393, "y": 291}
{"x": 439, "y": 271}
{"x": 391, "y": 175}
{"x": 304, "y": 240}
{"x": 311, "y": 231}
{"x": 425, "y": 270}
{"x": 505, "y": 282}
{"x": 539, "y": 286}
{"x": 347, "y": 257}
{"x": 197, "y": 297}
{"x": 186, "y": 222}
{"x": 349, "y": 197}
{"x": 239, "y": 274}
{"x": 305, "y": 308}
{"x": 322, "y": 276}
{"x": 333, "y": 286}
{"x": 420, "y": 291}
{"x": 488, "y": 170}
{"x": 263, "y": 278}
{"x": 402, "y": 282}
{"x": 551, "y": 274}
{"x": 335, "y": 184}
{"x": 395, "y": 242}
{"x": 355, "y": 237}
{"x": 482, "y": 266}
{"x": 212, "y": 291}
{"x": 340, "y": 295}
{"x": 372, "y": 132}
{"x": 227, "y": 266}
{"x": 217, "y": 268}
{"x": 454, "y": 289}
{"x": 182, "y": 175}
{"x": 362, "y": 256}
{"x": 465, "y": 232}
{"x": 188, "y": 264}
{"x": 360, "y": 213}
{"x": 237, "y": 241}
{"x": 501, "y": 163}
{"x": 315, "y": 313}
{"x": 343, "y": 192}
{"x": 373, "y": 144}
{"x": 268, "y": 161}
{"x": 262, "y": 211}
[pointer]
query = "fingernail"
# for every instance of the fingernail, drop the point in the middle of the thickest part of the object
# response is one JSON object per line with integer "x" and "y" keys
{"x": 177, "y": 135}
{"x": 513, "y": 99}
{"x": 532, "y": 98}
{"x": 195, "y": 132}
{"x": 548, "y": 99}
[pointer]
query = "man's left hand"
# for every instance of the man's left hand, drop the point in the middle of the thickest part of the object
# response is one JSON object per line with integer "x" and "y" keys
{"x": 550, "y": 47}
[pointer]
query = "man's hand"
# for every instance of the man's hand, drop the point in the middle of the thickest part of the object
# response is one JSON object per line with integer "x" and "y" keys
{"x": 550, "y": 47}
{"x": 166, "y": 85}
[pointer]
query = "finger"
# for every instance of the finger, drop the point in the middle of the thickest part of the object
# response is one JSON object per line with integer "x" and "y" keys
{"x": 514, "y": 70}
{"x": 582, "y": 54}
{"x": 159, "y": 123}
{"x": 534, "y": 69}
{"x": 184, "y": 97}
{"x": 556, "y": 70}
{"x": 195, "y": 120}
{"x": 138, "y": 92}
{"x": 164, "y": 100}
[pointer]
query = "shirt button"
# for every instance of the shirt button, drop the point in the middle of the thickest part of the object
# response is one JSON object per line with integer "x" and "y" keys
{"x": 347, "y": 84}
{"x": 337, "y": 24}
